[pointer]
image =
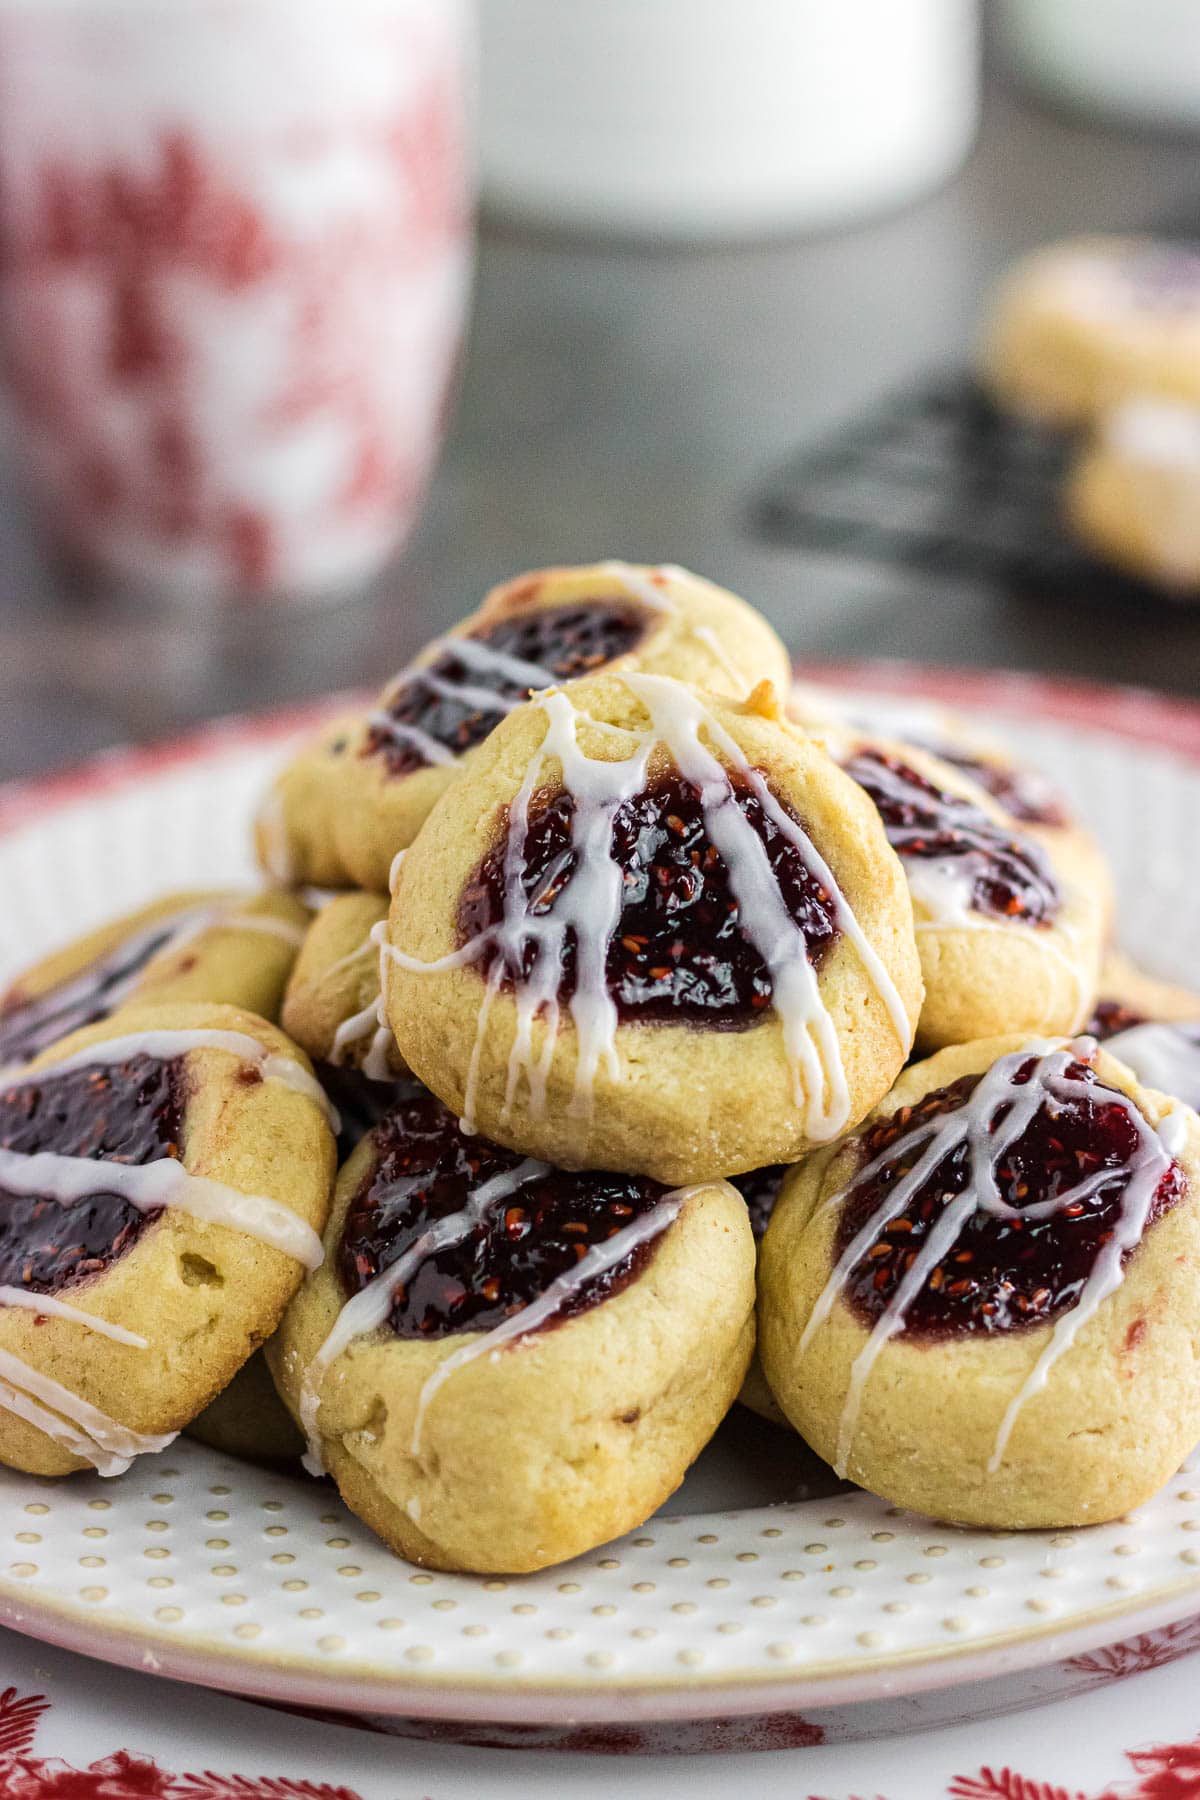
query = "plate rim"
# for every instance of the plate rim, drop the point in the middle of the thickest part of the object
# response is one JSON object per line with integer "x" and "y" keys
{"x": 1131, "y": 713}
{"x": 1141, "y": 714}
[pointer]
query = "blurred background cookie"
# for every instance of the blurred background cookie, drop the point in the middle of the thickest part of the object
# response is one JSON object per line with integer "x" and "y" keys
{"x": 342, "y": 810}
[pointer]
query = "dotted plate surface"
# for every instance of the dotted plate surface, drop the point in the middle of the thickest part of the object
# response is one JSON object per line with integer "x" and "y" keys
{"x": 761, "y": 1585}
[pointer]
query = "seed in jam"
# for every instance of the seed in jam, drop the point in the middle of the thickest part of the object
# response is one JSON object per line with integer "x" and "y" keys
{"x": 759, "y": 1188}
{"x": 30, "y": 1024}
{"x": 1010, "y": 876}
{"x": 1109, "y": 1017}
{"x": 425, "y": 1170}
{"x": 130, "y": 1113}
{"x": 678, "y": 953}
{"x": 442, "y": 701}
{"x": 999, "y": 1274}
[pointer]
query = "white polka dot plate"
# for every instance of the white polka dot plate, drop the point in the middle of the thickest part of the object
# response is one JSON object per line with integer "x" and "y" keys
{"x": 762, "y": 1587}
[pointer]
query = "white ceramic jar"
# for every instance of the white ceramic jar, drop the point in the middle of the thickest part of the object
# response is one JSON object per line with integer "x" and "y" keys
{"x": 1134, "y": 59}
{"x": 715, "y": 118}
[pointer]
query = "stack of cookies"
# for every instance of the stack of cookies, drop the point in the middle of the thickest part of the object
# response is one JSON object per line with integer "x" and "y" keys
{"x": 601, "y": 957}
{"x": 1102, "y": 335}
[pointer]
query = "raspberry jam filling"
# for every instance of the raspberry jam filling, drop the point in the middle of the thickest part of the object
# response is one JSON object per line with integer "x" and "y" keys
{"x": 759, "y": 1188}
{"x": 446, "y": 705}
{"x": 1109, "y": 1017}
{"x": 999, "y": 1272}
{"x": 130, "y": 1113}
{"x": 29, "y": 1025}
{"x": 1003, "y": 876}
{"x": 541, "y": 1226}
{"x": 678, "y": 952}
{"x": 1023, "y": 793}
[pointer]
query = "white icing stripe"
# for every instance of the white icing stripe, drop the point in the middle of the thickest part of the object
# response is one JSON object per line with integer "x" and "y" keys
{"x": 287, "y": 929}
{"x": 599, "y": 1259}
{"x": 49, "y": 1306}
{"x": 370, "y": 1022}
{"x": 351, "y": 1031}
{"x": 809, "y": 1037}
{"x": 367, "y": 947}
{"x": 163, "y": 1045}
{"x": 641, "y": 584}
{"x": 369, "y": 1308}
{"x": 974, "y": 1124}
{"x": 705, "y": 635}
{"x": 588, "y": 908}
{"x": 72, "y": 1422}
{"x": 377, "y": 1063}
{"x": 465, "y": 693}
{"x": 397, "y": 864}
{"x": 164, "y": 1183}
{"x": 485, "y": 660}
{"x": 418, "y": 740}
{"x": 480, "y": 659}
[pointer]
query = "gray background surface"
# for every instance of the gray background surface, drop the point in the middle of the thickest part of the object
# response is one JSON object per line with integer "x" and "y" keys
{"x": 619, "y": 401}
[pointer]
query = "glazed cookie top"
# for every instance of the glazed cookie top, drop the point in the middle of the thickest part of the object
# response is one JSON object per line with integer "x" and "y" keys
{"x": 555, "y": 625}
{"x": 995, "y": 1198}
{"x": 966, "y": 861}
{"x": 1024, "y": 792}
{"x": 647, "y": 864}
{"x": 110, "y": 1131}
{"x": 177, "y": 948}
{"x": 444, "y": 1235}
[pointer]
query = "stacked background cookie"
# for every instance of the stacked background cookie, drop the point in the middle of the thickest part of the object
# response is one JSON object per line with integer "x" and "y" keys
{"x": 593, "y": 1070}
{"x": 1101, "y": 336}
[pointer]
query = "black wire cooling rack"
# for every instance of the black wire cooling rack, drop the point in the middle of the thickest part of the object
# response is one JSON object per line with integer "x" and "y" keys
{"x": 938, "y": 481}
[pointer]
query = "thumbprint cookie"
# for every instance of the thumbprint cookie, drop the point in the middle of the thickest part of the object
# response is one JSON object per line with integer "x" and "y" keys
{"x": 985, "y": 1303}
{"x": 164, "y": 1177}
{"x": 653, "y": 930}
{"x": 220, "y": 948}
{"x": 361, "y": 792}
{"x": 503, "y": 1364}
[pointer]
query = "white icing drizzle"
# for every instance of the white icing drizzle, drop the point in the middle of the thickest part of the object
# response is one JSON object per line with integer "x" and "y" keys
{"x": 599, "y": 1259}
{"x": 932, "y": 1140}
{"x": 1166, "y": 1057}
{"x": 366, "y": 948}
{"x": 162, "y": 1183}
{"x": 351, "y": 1031}
{"x": 397, "y": 864}
{"x": 72, "y": 1422}
{"x": 705, "y": 635}
{"x": 267, "y": 923}
{"x": 590, "y": 906}
{"x": 474, "y": 655}
{"x": 166, "y": 1044}
{"x": 642, "y": 585}
{"x": 403, "y": 733}
{"x": 49, "y": 1306}
{"x": 369, "y": 1308}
